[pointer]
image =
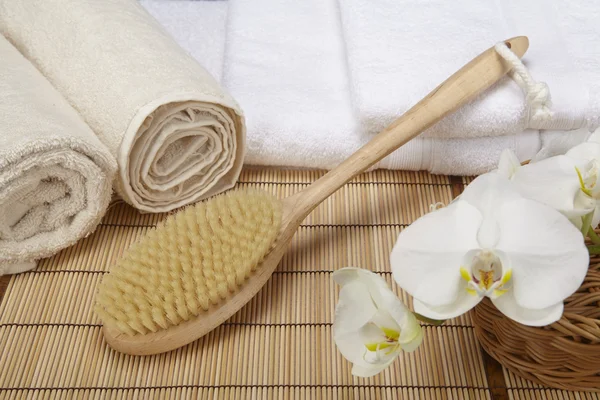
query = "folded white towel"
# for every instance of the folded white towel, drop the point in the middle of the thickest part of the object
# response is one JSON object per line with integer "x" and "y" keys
{"x": 198, "y": 26}
{"x": 461, "y": 156}
{"x": 177, "y": 136}
{"x": 285, "y": 64}
{"x": 473, "y": 156}
{"x": 295, "y": 91}
{"x": 579, "y": 22}
{"x": 399, "y": 50}
{"x": 55, "y": 175}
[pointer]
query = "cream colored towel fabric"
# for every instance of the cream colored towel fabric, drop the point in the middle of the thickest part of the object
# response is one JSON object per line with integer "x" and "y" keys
{"x": 55, "y": 175}
{"x": 177, "y": 136}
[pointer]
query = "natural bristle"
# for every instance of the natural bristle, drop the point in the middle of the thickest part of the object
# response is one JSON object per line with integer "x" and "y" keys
{"x": 192, "y": 261}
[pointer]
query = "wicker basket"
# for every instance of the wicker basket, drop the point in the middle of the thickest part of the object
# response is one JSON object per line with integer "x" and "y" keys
{"x": 564, "y": 355}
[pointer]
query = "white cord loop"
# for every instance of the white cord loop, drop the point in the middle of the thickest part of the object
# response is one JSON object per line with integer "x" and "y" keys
{"x": 537, "y": 94}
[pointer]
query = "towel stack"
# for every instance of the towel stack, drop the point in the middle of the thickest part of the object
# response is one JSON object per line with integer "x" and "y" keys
{"x": 318, "y": 78}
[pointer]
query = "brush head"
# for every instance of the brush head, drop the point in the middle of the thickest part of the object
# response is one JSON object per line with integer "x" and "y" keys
{"x": 189, "y": 263}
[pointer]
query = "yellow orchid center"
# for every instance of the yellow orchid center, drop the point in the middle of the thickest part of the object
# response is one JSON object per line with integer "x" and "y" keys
{"x": 582, "y": 183}
{"x": 486, "y": 275}
{"x": 390, "y": 340}
{"x": 588, "y": 179}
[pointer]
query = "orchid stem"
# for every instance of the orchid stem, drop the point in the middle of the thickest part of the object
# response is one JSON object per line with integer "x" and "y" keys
{"x": 423, "y": 318}
{"x": 594, "y": 249}
{"x": 594, "y": 236}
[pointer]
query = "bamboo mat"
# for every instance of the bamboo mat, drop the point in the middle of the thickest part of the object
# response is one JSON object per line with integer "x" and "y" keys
{"x": 279, "y": 346}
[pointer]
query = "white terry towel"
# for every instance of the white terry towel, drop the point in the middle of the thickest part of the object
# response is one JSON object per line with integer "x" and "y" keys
{"x": 284, "y": 63}
{"x": 579, "y": 23}
{"x": 295, "y": 90}
{"x": 177, "y": 135}
{"x": 55, "y": 175}
{"x": 198, "y": 26}
{"x": 399, "y": 50}
{"x": 461, "y": 156}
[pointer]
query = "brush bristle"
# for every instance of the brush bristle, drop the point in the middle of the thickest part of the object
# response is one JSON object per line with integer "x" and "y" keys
{"x": 189, "y": 263}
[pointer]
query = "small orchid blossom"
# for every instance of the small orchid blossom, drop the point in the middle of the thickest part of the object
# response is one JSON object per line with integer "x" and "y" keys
{"x": 565, "y": 183}
{"x": 587, "y": 157}
{"x": 525, "y": 256}
{"x": 371, "y": 324}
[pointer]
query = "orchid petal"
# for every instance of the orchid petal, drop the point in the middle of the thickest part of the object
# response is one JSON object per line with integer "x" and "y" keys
{"x": 487, "y": 192}
{"x": 351, "y": 347}
{"x": 370, "y": 333}
{"x": 548, "y": 255}
{"x": 594, "y": 137}
{"x": 461, "y": 305}
{"x": 354, "y": 350}
{"x": 366, "y": 370}
{"x": 401, "y": 318}
{"x": 540, "y": 317}
{"x": 584, "y": 202}
{"x": 426, "y": 258}
{"x": 383, "y": 319}
{"x": 509, "y": 164}
{"x": 577, "y": 222}
{"x": 586, "y": 151}
{"x": 381, "y": 294}
{"x": 355, "y": 307}
{"x": 347, "y": 275}
{"x": 388, "y": 301}
{"x": 411, "y": 334}
{"x": 552, "y": 181}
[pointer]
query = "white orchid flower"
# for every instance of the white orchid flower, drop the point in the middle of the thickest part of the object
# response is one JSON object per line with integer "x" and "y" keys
{"x": 525, "y": 256}
{"x": 561, "y": 182}
{"x": 587, "y": 157}
{"x": 371, "y": 324}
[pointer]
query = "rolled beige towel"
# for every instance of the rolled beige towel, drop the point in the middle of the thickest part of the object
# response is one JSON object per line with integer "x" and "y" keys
{"x": 55, "y": 175}
{"x": 177, "y": 135}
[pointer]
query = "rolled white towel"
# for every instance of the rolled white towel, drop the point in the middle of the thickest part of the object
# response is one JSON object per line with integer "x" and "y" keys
{"x": 55, "y": 175}
{"x": 177, "y": 135}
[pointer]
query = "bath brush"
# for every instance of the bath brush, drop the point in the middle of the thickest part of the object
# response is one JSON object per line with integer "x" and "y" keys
{"x": 202, "y": 264}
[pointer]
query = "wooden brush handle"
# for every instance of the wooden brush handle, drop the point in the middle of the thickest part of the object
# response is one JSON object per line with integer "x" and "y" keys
{"x": 462, "y": 87}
